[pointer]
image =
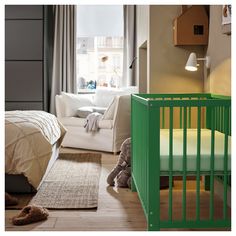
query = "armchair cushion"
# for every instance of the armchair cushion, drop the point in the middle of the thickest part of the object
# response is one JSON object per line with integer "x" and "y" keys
{"x": 79, "y": 122}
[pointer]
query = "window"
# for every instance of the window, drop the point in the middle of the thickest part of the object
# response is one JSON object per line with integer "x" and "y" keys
{"x": 99, "y": 46}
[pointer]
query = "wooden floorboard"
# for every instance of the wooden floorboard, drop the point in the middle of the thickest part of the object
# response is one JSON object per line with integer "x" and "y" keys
{"x": 118, "y": 208}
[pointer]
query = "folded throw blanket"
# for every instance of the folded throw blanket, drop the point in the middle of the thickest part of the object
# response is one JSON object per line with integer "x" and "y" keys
{"x": 91, "y": 123}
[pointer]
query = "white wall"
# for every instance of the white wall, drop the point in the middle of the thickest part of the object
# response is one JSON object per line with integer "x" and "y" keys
{"x": 167, "y": 62}
{"x": 142, "y": 42}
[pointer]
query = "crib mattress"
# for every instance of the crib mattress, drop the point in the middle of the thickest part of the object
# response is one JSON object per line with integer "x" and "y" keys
{"x": 192, "y": 150}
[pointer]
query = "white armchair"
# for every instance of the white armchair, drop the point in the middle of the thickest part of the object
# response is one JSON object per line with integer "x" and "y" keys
{"x": 114, "y": 127}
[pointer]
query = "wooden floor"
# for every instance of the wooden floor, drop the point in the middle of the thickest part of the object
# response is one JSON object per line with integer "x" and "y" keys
{"x": 118, "y": 209}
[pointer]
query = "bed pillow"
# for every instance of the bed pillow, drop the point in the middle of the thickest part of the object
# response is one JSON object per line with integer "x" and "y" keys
{"x": 75, "y": 101}
{"x": 83, "y": 112}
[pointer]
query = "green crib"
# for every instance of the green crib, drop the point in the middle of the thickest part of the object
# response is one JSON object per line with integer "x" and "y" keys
{"x": 181, "y": 135}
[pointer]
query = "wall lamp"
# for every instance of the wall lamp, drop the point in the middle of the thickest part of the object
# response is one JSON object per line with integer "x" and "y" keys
{"x": 132, "y": 63}
{"x": 192, "y": 64}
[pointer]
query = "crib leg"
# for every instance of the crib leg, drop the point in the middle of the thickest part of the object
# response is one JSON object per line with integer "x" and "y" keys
{"x": 133, "y": 187}
{"x": 153, "y": 218}
{"x": 153, "y": 223}
{"x": 153, "y": 227}
{"x": 207, "y": 183}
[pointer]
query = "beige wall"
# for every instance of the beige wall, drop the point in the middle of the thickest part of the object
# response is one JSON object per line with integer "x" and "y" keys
{"x": 218, "y": 78}
{"x": 160, "y": 67}
{"x": 167, "y": 62}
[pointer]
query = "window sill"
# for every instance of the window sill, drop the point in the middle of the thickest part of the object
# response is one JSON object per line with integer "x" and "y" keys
{"x": 86, "y": 91}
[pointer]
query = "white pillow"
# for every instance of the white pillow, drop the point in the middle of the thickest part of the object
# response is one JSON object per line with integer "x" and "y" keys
{"x": 100, "y": 110}
{"x": 83, "y": 112}
{"x": 109, "y": 113}
{"x": 103, "y": 97}
{"x": 75, "y": 101}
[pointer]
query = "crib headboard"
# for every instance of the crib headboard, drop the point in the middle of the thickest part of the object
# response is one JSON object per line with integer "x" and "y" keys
{"x": 215, "y": 105}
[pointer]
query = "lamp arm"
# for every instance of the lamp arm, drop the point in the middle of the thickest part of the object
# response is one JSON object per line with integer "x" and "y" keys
{"x": 207, "y": 59}
{"x": 201, "y": 59}
{"x": 131, "y": 65}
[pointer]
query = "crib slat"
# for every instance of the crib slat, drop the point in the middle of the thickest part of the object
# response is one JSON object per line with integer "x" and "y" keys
{"x": 225, "y": 160}
{"x": 221, "y": 119}
{"x": 215, "y": 118}
{"x": 189, "y": 115}
{"x": 170, "y": 162}
{"x": 218, "y": 118}
{"x": 230, "y": 121}
{"x": 163, "y": 116}
{"x": 184, "y": 164}
{"x": 221, "y": 115}
{"x": 212, "y": 165}
{"x": 198, "y": 163}
{"x": 180, "y": 116}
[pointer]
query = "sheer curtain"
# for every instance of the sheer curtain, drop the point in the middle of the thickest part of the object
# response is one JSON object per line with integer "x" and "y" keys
{"x": 129, "y": 46}
{"x": 64, "y": 52}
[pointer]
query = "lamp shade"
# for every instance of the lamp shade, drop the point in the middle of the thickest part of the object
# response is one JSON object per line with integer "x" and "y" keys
{"x": 191, "y": 64}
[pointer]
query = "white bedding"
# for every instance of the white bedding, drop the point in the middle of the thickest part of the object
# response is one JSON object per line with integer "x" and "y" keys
{"x": 192, "y": 150}
{"x": 29, "y": 138}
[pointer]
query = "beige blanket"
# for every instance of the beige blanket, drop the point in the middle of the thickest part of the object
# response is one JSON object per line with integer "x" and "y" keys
{"x": 29, "y": 137}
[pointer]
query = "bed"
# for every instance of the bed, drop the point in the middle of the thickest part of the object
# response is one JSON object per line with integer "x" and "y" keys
{"x": 181, "y": 135}
{"x": 32, "y": 141}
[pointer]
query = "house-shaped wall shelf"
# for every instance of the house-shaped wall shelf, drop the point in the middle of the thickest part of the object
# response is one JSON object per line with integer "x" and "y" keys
{"x": 191, "y": 27}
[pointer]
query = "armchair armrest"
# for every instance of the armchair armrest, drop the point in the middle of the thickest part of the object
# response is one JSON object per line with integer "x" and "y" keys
{"x": 121, "y": 121}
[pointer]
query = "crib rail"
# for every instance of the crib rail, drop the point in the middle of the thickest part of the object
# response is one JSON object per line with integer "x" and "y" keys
{"x": 150, "y": 114}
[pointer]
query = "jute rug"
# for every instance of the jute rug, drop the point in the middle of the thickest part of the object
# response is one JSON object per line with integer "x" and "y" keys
{"x": 72, "y": 182}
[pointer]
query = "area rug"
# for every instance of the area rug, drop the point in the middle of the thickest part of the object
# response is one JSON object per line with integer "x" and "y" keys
{"x": 72, "y": 183}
